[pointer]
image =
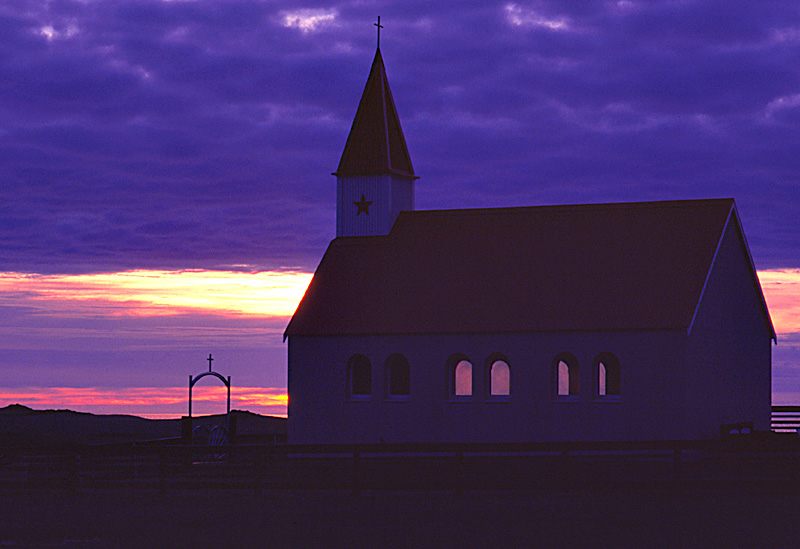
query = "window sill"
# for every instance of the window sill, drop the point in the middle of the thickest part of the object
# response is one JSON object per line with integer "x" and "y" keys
{"x": 499, "y": 398}
{"x": 359, "y": 398}
{"x": 568, "y": 398}
{"x": 608, "y": 398}
{"x": 397, "y": 398}
{"x": 461, "y": 399}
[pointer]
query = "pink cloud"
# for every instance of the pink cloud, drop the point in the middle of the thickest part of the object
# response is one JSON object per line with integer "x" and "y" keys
{"x": 152, "y": 402}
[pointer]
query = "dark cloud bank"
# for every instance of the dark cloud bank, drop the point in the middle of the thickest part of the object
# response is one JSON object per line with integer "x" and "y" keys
{"x": 202, "y": 134}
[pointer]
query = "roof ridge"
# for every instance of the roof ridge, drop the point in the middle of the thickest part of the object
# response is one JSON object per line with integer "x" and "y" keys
{"x": 505, "y": 210}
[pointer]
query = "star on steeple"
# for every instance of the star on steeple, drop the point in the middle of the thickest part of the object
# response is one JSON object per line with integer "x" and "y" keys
{"x": 363, "y": 205}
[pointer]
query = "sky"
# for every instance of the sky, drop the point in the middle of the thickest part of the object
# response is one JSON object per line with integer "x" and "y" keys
{"x": 165, "y": 187}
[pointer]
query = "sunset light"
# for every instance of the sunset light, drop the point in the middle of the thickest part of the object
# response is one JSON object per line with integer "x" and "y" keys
{"x": 158, "y": 293}
{"x": 237, "y": 296}
{"x": 268, "y": 294}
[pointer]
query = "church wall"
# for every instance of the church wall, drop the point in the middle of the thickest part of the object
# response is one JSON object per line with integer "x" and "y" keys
{"x": 320, "y": 410}
{"x": 729, "y": 351}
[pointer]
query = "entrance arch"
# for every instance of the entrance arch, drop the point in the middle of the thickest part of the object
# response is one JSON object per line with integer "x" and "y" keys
{"x": 226, "y": 381}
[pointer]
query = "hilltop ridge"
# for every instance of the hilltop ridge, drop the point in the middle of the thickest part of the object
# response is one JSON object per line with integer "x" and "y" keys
{"x": 21, "y": 425}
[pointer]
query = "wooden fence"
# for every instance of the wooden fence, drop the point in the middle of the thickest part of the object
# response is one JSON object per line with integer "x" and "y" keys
{"x": 761, "y": 458}
{"x": 750, "y": 457}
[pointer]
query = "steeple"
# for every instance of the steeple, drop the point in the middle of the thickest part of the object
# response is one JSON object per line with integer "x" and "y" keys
{"x": 375, "y": 178}
{"x": 376, "y": 145}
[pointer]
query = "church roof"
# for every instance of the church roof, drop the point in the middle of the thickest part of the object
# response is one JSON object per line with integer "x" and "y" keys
{"x": 594, "y": 267}
{"x": 376, "y": 145}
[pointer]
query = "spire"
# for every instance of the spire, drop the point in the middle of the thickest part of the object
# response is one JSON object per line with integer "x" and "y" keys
{"x": 376, "y": 145}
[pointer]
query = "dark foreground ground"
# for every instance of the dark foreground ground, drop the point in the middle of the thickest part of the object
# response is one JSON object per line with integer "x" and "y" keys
{"x": 740, "y": 491}
{"x": 625, "y": 517}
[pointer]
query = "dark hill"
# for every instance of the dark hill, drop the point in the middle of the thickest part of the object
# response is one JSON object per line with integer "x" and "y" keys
{"x": 23, "y": 426}
{"x": 16, "y": 409}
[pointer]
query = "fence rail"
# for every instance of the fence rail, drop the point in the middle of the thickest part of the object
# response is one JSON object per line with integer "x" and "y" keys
{"x": 786, "y": 419}
{"x": 757, "y": 458}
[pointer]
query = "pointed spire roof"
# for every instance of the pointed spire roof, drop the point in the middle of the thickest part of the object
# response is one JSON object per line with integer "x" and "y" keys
{"x": 376, "y": 145}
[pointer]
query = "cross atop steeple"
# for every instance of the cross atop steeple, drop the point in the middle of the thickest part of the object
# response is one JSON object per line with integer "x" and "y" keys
{"x": 378, "y": 24}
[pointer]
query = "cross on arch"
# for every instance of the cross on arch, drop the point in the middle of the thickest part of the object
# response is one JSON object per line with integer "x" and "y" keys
{"x": 378, "y": 24}
{"x": 210, "y": 359}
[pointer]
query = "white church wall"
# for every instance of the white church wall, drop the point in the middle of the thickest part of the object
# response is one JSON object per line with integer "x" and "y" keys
{"x": 729, "y": 351}
{"x": 321, "y": 412}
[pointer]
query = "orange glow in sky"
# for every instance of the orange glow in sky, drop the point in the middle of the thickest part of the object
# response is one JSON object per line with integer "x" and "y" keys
{"x": 158, "y": 293}
{"x": 259, "y": 294}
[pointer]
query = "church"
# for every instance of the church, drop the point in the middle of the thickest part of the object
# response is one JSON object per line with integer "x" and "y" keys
{"x": 623, "y": 321}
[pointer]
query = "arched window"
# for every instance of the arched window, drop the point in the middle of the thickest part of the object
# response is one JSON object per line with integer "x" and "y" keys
{"x": 499, "y": 378}
{"x": 398, "y": 376}
{"x": 462, "y": 378}
{"x": 567, "y": 376}
{"x": 608, "y": 375}
{"x": 359, "y": 373}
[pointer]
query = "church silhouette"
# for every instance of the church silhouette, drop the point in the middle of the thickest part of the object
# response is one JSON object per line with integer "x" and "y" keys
{"x": 626, "y": 321}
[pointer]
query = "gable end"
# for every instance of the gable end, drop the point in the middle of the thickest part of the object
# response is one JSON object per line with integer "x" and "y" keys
{"x": 733, "y": 217}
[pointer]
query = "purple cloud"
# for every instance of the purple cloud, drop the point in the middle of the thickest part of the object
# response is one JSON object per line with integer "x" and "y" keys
{"x": 191, "y": 134}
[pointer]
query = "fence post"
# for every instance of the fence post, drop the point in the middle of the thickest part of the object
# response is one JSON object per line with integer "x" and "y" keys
{"x": 460, "y": 473}
{"x": 567, "y": 475}
{"x": 73, "y": 472}
{"x": 162, "y": 470}
{"x": 261, "y": 462}
{"x": 676, "y": 464}
{"x": 29, "y": 471}
{"x": 356, "y": 484}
